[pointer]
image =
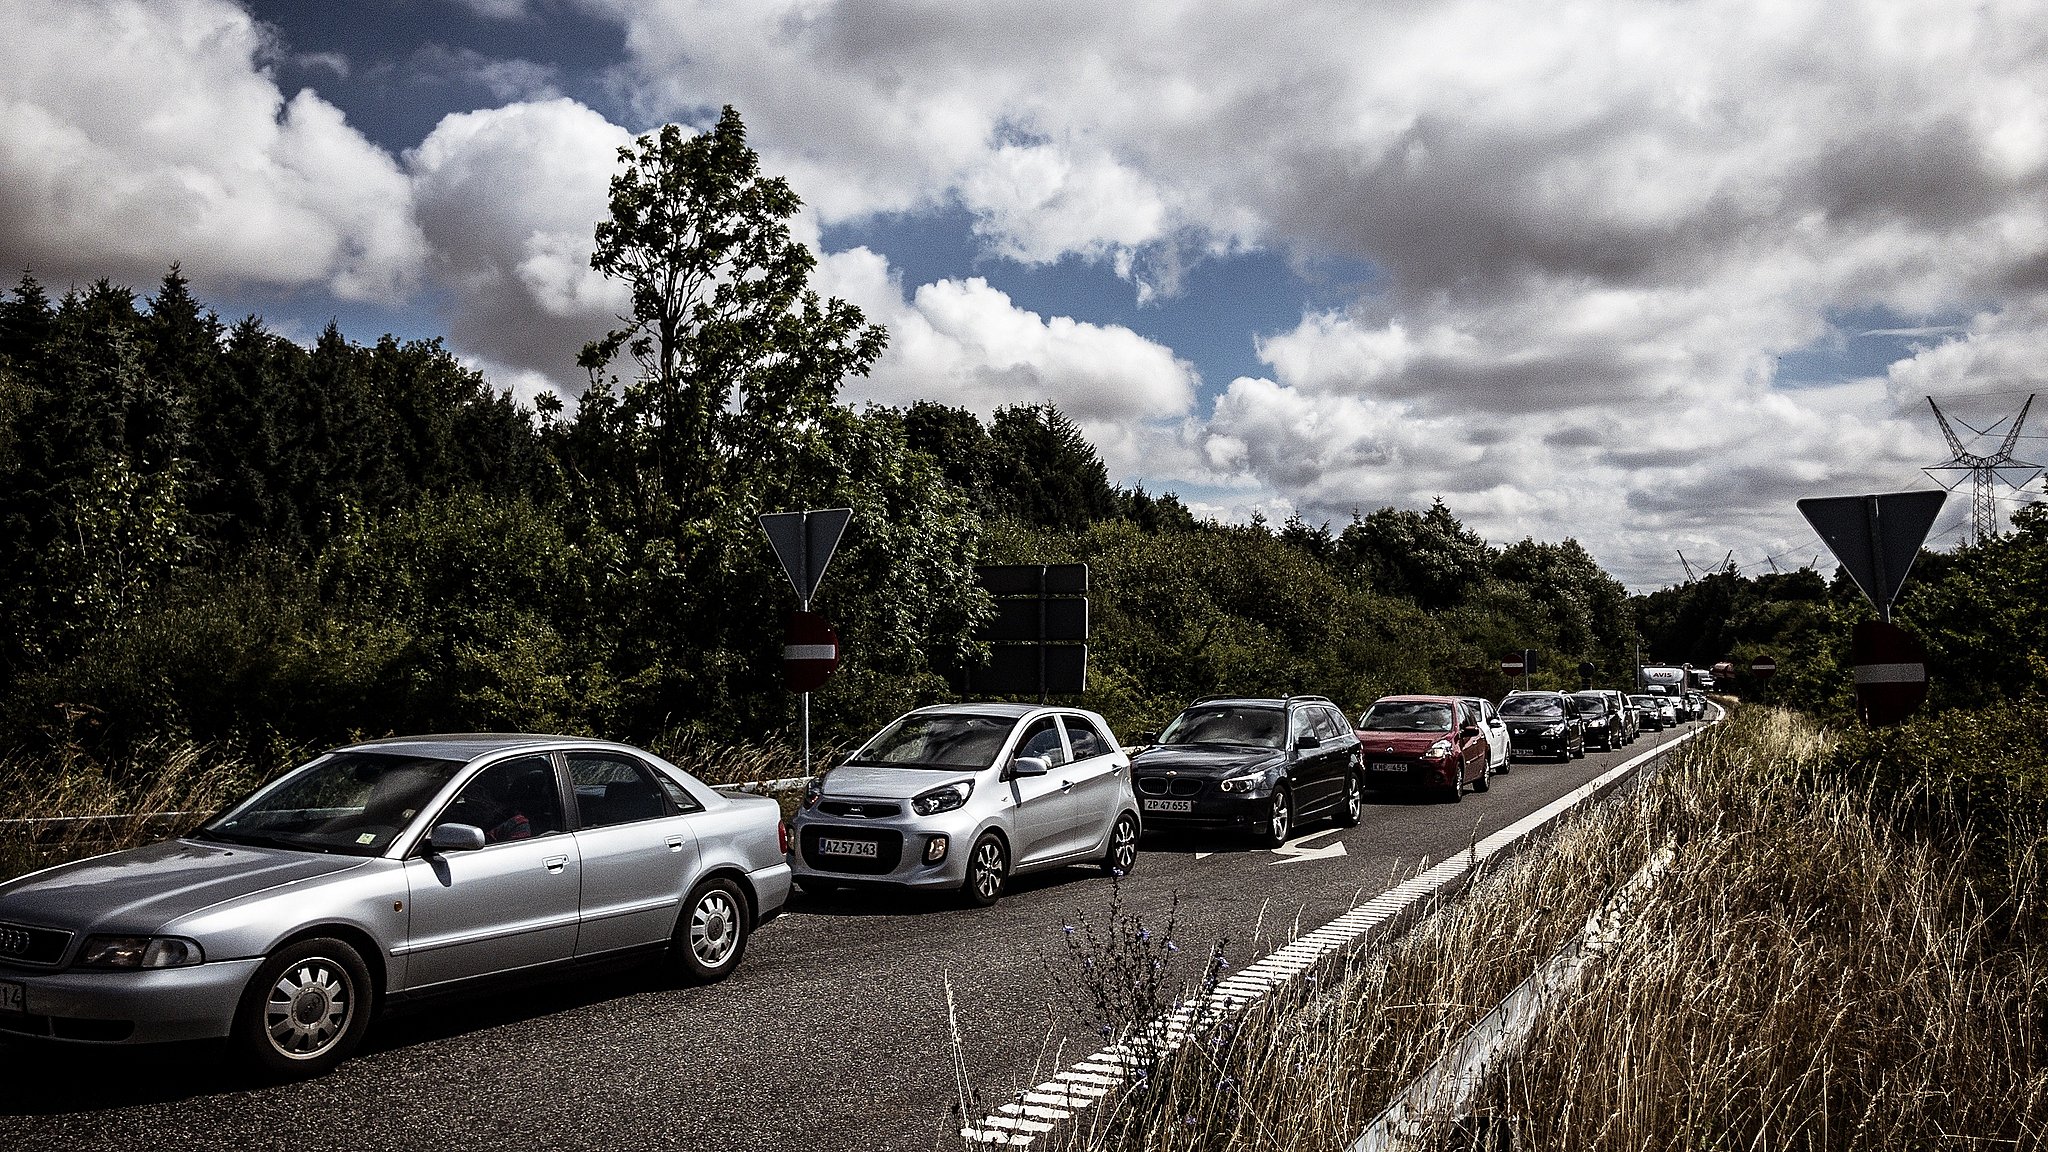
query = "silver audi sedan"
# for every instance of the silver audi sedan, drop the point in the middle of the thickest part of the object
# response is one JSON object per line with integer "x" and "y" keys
{"x": 964, "y": 796}
{"x": 382, "y": 871}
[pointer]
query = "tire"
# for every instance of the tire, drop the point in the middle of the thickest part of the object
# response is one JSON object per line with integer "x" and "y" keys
{"x": 1353, "y": 810}
{"x": 305, "y": 1010}
{"x": 1482, "y": 784}
{"x": 988, "y": 871}
{"x": 711, "y": 933}
{"x": 1123, "y": 846}
{"x": 1581, "y": 753}
{"x": 1280, "y": 824}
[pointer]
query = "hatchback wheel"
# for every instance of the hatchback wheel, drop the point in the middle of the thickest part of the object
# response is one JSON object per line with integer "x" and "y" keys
{"x": 306, "y": 1009}
{"x": 1482, "y": 784}
{"x": 988, "y": 871}
{"x": 1123, "y": 846}
{"x": 1279, "y": 822}
{"x": 711, "y": 935}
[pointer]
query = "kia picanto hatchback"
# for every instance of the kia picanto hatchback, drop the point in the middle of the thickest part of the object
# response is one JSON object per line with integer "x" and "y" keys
{"x": 964, "y": 796}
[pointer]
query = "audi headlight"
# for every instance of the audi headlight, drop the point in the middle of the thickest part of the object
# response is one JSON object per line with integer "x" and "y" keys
{"x": 1554, "y": 730}
{"x": 943, "y": 799}
{"x": 139, "y": 952}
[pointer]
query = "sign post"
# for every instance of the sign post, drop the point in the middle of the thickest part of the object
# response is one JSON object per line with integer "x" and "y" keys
{"x": 1891, "y": 672}
{"x": 804, "y": 542}
{"x": 1516, "y": 665}
{"x": 1763, "y": 667}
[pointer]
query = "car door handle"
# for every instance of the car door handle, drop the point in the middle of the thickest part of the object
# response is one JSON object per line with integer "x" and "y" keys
{"x": 675, "y": 843}
{"x": 1066, "y": 785}
{"x": 555, "y": 864}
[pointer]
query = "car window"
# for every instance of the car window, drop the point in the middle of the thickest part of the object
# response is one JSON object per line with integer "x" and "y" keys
{"x": 1538, "y": 707}
{"x": 1087, "y": 742}
{"x": 1330, "y": 725}
{"x": 615, "y": 789}
{"x": 513, "y": 800}
{"x": 354, "y": 803}
{"x": 1043, "y": 739}
{"x": 1302, "y": 723}
{"x": 938, "y": 741}
{"x": 1254, "y": 724}
{"x": 1406, "y": 716}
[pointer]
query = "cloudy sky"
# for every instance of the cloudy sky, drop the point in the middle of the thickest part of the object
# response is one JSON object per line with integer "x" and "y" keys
{"x": 1638, "y": 272}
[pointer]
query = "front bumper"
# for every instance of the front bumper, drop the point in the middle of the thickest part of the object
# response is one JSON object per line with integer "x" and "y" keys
{"x": 900, "y": 858}
{"x": 1535, "y": 744}
{"x": 1411, "y": 774}
{"x": 136, "y": 1007}
{"x": 1209, "y": 810}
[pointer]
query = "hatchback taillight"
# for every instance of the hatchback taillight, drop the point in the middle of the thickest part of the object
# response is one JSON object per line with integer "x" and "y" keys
{"x": 782, "y": 836}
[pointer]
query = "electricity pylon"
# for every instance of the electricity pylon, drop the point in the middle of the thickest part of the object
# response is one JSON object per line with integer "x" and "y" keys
{"x": 1985, "y": 471}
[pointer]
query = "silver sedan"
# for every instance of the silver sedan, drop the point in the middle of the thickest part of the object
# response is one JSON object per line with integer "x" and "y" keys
{"x": 383, "y": 871}
{"x": 964, "y": 796}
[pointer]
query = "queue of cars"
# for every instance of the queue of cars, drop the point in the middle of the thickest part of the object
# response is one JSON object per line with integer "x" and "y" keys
{"x": 392, "y": 869}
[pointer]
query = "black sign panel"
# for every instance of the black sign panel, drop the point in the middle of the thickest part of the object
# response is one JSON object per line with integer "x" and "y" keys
{"x": 1035, "y": 621}
{"x": 1037, "y": 669}
{"x": 1034, "y": 579}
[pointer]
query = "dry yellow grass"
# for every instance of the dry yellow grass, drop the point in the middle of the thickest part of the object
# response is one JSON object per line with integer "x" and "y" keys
{"x": 1805, "y": 976}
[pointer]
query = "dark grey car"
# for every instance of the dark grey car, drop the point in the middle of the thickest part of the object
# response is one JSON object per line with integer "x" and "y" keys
{"x": 382, "y": 871}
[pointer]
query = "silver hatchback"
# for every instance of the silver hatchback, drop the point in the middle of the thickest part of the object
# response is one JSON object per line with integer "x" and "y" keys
{"x": 964, "y": 796}
{"x": 382, "y": 871}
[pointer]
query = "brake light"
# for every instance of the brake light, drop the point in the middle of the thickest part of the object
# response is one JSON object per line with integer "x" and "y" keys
{"x": 782, "y": 837}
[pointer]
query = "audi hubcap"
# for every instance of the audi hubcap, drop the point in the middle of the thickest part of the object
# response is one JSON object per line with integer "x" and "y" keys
{"x": 714, "y": 929}
{"x": 308, "y": 1008}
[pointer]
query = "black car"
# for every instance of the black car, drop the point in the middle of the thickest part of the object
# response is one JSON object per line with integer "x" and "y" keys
{"x": 1543, "y": 724}
{"x": 1245, "y": 764}
{"x": 1604, "y": 725}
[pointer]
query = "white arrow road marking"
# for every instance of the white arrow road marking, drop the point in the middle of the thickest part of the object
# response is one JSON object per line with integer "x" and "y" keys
{"x": 1293, "y": 850}
{"x": 1297, "y": 849}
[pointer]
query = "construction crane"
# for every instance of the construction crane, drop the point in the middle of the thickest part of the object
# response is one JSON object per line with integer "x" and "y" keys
{"x": 1984, "y": 471}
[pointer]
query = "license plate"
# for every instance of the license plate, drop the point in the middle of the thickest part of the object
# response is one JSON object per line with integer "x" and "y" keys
{"x": 865, "y": 849}
{"x": 1388, "y": 766}
{"x": 13, "y": 997}
{"x": 1169, "y": 805}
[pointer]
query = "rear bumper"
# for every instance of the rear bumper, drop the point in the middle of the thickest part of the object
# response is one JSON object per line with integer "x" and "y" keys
{"x": 195, "y": 1003}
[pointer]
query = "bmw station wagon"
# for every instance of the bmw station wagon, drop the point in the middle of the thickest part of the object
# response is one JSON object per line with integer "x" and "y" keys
{"x": 964, "y": 796}
{"x": 1247, "y": 764}
{"x": 381, "y": 871}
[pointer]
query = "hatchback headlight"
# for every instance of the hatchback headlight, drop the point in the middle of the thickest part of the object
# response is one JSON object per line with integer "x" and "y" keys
{"x": 943, "y": 799}
{"x": 1439, "y": 750}
{"x": 139, "y": 952}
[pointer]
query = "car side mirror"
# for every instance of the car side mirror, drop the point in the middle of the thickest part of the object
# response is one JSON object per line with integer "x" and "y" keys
{"x": 1310, "y": 740}
{"x": 1029, "y": 766}
{"x": 1470, "y": 730}
{"x": 1144, "y": 739}
{"x": 456, "y": 838}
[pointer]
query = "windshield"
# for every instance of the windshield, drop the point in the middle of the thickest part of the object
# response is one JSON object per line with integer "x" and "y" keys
{"x": 1226, "y": 724}
{"x": 1544, "y": 707}
{"x": 353, "y": 803}
{"x": 1592, "y": 705}
{"x": 942, "y": 741}
{"x": 1406, "y": 716}
{"x": 1643, "y": 701}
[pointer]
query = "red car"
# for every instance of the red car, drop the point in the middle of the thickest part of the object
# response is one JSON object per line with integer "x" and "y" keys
{"x": 1430, "y": 743}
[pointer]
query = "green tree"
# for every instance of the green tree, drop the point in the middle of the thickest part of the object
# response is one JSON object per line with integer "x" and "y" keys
{"x": 733, "y": 347}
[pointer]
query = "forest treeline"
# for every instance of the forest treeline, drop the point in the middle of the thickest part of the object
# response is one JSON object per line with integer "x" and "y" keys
{"x": 215, "y": 533}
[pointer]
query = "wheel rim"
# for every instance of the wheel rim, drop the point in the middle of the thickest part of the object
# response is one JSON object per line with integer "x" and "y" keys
{"x": 1280, "y": 816}
{"x": 1124, "y": 847}
{"x": 714, "y": 929}
{"x": 309, "y": 1008}
{"x": 988, "y": 870}
{"x": 1354, "y": 802}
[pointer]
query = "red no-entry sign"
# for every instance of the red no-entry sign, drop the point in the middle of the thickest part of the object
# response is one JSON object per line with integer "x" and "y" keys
{"x": 1512, "y": 665}
{"x": 1891, "y": 671}
{"x": 810, "y": 651}
{"x": 1762, "y": 667}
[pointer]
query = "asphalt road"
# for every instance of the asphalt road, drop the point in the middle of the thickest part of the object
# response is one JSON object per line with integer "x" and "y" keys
{"x": 832, "y": 1035}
